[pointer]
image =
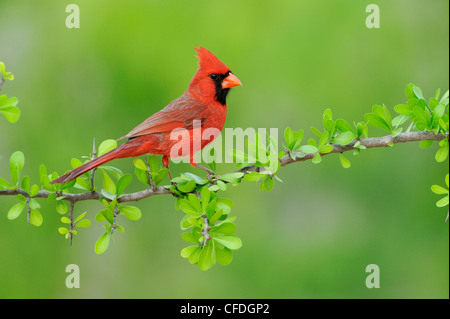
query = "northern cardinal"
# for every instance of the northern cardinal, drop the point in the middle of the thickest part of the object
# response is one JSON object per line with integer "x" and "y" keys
{"x": 204, "y": 102}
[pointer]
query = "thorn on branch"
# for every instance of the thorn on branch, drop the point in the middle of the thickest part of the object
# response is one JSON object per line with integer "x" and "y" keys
{"x": 94, "y": 155}
{"x": 72, "y": 225}
{"x": 150, "y": 179}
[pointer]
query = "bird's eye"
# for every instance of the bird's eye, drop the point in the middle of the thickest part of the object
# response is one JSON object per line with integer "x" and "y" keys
{"x": 213, "y": 76}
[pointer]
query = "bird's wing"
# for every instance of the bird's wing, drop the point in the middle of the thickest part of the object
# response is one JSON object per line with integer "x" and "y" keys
{"x": 180, "y": 113}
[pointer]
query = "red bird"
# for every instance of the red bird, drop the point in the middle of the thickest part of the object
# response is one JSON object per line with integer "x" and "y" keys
{"x": 204, "y": 102}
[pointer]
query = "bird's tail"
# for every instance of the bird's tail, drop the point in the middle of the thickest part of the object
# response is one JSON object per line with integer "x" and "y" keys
{"x": 125, "y": 150}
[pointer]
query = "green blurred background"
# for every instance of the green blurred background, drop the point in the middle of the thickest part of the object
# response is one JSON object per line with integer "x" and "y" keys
{"x": 315, "y": 233}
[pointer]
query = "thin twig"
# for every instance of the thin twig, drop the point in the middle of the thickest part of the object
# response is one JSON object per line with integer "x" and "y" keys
{"x": 72, "y": 225}
{"x": 114, "y": 226}
{"x": 28, "y": 209}
{"x": 150, "y": 179}
{"x": 205, "y": 230}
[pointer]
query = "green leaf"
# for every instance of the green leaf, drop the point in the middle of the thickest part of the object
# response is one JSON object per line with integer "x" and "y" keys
{"x": 106, "y": 146}
{"x": 439, "y": 190}
{"x": 34, "y": 204}
{"x": 327, "y": 115}
{"x": 34, "y": 190}
{"x": 11, "y": 113}
{"x": 4, "y": 184}
{"x": 139, "y": 164}
{"x": 63, "y": 230}
{"x": 361, "y": 129}
{"x": 108, "y": 183}
{"x": 399, "y": 120}
{"x": 16, "y": 163}
{"x": 421, "y": 115}
{"x": 397, "y": 131}
{"x": 122, "y": 183}
{"x": 254, "y": 176}
{"x": 187, "y": 252}
{"x": 377, "y": 121}
{"x": 232, "y": 177}
{"x": 61, "y": 207}
{"x": 102, "y": 243}
{"x": 205, "y": 195}
{"x": 21, "y": 198}
{"x": 344, "y": 161}
{"x": 344, "y": 138}
{"x": 187, "y": 207}
{"x": 308, "y": 149}
{"x": 16, "y": 210}
{"x": 197, "y": 179}
{"x": 195, "y": 202}
{"x": 84, "y": 223}
{"x": 289, "y": 136}
{"x": 230, "y": 241}
{"x": 194, "y": 257}
{"x": 142, "y": 176}
{"x": 216, "y": 216}
{"x": 213, "y": 188}
{"x": 223, "y": 256}
{"x": 326, "y": 149}
{"x": 36, "y": 218}
{"x": 444, "y": 99}
{"x": 446, "y": 180}
{"x": 442, "y": 153}
{"x": 343, "y": 126}
{"x": 100, "y": 216}
{"x": 188, "y": 187}
{"x": 312, "y": 142}
{"x": 323, "y": 139}
{"x": 80, "y": 217}
{"x": 25, "y": 184}
{"x": 317, "y": 159}
{"x": 442, "y": 202}
{"x": 409, "y": 91}
{"x": 159, "y": 177}
{"x": 194, "y": 222}
{"x": 437, "y": 93}
{"x": 267, "y": 184}
{"x": 404, "y": 109}
{"x": 425, "y": 144}
{"x": 224, "y": 204}
{"x": 82, "y": 183}
{"x": 417, "y": 92}
{"x": 207, "y": 256}
{"x": 190, "y": 238}
{"x": 316, "y": 131}
{"x": 75, "y": 163}
{"x": 65, "y": 220}
{"x": 438, "y": 111}
{"x": 225, "y": 229}
{"x": 131, "y": 212}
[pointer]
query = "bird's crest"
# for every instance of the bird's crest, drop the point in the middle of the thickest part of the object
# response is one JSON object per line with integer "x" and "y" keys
{"x": 208, "y": 62}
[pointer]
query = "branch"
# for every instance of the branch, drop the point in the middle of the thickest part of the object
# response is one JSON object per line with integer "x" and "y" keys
{"x": 132, "y": 197}
{"x": 372, "y": 142}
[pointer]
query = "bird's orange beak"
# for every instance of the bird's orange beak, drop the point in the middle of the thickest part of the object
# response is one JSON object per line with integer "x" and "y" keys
{"x": 230, "y": 81}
